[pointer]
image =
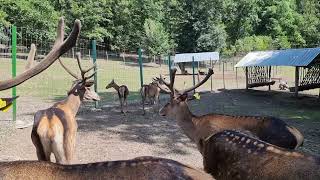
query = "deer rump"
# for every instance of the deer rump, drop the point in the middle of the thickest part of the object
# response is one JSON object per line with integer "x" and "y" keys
{"x": 235, "y": 155}
{"x": 51, "y": 133}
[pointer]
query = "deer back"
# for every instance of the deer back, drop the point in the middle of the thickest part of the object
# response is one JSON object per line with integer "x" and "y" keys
{"x": 235, "y": 155}
{"x": 269, "y": 129}
{"x": 139, "y": 168}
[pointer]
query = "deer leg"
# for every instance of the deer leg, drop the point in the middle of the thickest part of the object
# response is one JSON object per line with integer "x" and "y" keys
{"x": 69, "y": 145}
{"x": 37, "y": 143}
{"x": 57, "y": 148}
{"x": 121, "y": 104}
{"x": 46, "y": 144}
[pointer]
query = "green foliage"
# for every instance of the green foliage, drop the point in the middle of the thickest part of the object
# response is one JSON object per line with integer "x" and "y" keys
{"x": 160, "y": 26}
{"x": 254, "y": 43}
{"x": 157, "y": 39}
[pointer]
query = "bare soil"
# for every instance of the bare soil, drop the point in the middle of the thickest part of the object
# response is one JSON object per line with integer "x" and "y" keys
{"x": 106, "y": 134}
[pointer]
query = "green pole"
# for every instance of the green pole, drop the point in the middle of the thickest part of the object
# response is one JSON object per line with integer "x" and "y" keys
{"x": 169, "y": 64}
{"x": 14, "y": 69}
{"x": 194, "y": 80}
{"x": 140, "y": 64}
{"x": 94, "y": 59}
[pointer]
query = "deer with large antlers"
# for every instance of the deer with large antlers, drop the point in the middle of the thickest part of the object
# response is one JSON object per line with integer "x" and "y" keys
{"x": 271, "y": 130}
{"x": 235, "y": 155}
{"x": 122, "y": 91}
{"x": 136, "y": 169}
{"x": 54, "y": 129}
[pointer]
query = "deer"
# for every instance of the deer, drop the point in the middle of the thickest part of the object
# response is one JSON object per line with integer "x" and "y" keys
{"x": 123, "y": 93}
{"x": 231, "y": 154}
{"x": 272, "y": 130}
{"x": 150, "y": 91}
{"x": 140, "y": 168}
{"x": 60, "y": 47}
{"x": 54, "y": 129}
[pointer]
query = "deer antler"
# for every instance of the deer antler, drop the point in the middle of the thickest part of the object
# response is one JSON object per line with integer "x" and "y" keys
{"x": 31, "y": 55}
{"x": 174, "y": 91}
{"x": 60, "y": 47}
{"x": 83, "y": 72}
{"x": 210, "y": 72}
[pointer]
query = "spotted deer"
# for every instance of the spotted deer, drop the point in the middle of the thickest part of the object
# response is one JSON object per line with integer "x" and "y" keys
{"x": 269, "y": 129}
{"x": 141, "y": 168}
{"x": 54, "y": 129}
{"x": 123, "y": 93}
{"x": 235, "y": 155}
{"x": 60, "y": 47}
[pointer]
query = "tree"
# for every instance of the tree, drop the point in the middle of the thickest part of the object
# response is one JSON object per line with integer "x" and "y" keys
{"x": 156, "y": 40}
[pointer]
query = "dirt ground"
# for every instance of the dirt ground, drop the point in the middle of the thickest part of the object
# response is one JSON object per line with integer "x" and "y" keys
{"x": 106, "y": 134}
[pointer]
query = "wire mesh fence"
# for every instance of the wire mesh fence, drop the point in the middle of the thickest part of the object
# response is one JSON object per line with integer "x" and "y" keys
{"x": 54, "y": 83}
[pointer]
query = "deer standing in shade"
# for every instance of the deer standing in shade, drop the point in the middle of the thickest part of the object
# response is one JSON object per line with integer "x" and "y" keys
{"x": 141, "y": 168}
{"x": 122, "y": 91}
{"x": 269, "y": 129}
{"x": 235, "y": 155}
{"x": 54, "y": 129}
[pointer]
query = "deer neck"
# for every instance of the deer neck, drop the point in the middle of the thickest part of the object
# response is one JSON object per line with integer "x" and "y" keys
{"x": 184, "y": 119}
{"x": 116, "y": 87}
{"x": 73, "y": 102}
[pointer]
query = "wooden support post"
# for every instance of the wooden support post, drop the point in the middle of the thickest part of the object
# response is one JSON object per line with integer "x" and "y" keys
{"x": 297, "y": 82}
{"x": 247, "y": 80}
{"x": 269, "y": 73}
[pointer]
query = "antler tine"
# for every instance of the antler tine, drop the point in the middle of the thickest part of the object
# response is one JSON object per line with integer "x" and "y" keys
{"x": 83, "y": 72}
{"x": 163, "y": 81}
{"x": 78, "y": 55}
{"x": 58, "y": 49}
{"x": 89, "y": 77}
{"x": 31, "y": 56}
{"x": 68, "y": 70}
{"x": 210, "y": 72}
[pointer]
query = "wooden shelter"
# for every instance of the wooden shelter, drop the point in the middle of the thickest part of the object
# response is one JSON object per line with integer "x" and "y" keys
{"x": 306, "y": 61}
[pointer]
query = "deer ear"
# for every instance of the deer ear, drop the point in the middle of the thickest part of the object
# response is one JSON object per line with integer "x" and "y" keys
{"x": 183, "y": 97}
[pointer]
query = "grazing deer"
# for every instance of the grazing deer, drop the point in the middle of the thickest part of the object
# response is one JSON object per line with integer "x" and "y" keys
{"x": 141, "y": 168}
{"x": 234, "y": 155}
{"x": 54, "y": 129}
{"x": 123, "y": 93}
{"x": 271, "y": 130}
{"x": 60, "y": 47}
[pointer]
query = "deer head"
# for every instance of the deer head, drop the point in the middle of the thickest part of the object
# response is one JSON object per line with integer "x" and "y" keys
{"x": 111, "y": 84}
{"x": 81, "y": 86}
{"x": 60, "y": 47}
{"x": 178, "y": 98}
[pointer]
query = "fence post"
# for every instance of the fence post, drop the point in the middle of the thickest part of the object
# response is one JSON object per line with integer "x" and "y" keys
{"x": 194, "y": 80}
{"x": 140, "y": 64}
{"x": 94, "y": 59}
{"x": 14, "y": 69}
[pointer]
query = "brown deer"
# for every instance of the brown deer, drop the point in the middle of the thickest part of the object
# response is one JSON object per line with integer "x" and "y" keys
{"x": 54, "y": 129}
{"x": 60, "y": 47}
{"x": 141, "y": 168}
{"x": 152, "y": 92}
{"x": 234, "y": 155}
{"x": 123, "y": 93}
{"x": 269, "y": 129}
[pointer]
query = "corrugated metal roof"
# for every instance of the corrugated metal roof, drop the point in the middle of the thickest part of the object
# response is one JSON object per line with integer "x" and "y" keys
{"x": 289, "y": 57}
{"x": 204, "y": 56}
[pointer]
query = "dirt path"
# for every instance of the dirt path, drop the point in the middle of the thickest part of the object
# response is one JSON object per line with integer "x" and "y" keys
{"x": 108, "y": 135}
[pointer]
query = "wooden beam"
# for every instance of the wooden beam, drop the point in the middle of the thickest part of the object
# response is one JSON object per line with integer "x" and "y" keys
{"x": 269, "y": 74}
{"x": 297, "y": 82}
